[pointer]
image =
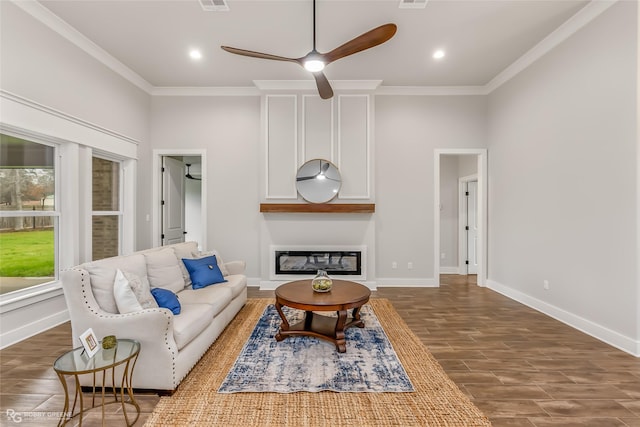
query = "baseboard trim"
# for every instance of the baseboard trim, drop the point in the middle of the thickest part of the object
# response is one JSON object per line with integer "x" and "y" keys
{"x": 29, "y": 330}
{"x": 602, "y": 333}
{"x": 449, "y": 270}
{"x": 270, "y": 285}
{"x": 408, "y": 283}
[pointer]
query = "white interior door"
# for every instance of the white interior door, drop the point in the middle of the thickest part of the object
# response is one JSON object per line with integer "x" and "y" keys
{"x": 173, "y": 196}
{"x": 472, "y": 227}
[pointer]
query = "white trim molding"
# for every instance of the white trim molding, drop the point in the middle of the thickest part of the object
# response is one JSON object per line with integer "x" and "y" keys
{"x": 622, "y": 342}
{"x": 482, "y": 207}
{"x": 292, "y": 192}
{"x": 585, "y": 15}
{"x": 366, "y": 195}
{"x": 156, "y": 197}
{"x": 298, "y": 85}
{"x": 51, "y": 20}
{"x": 592, "y": 10}
{"x": 24, "y": 113}
{"x": 390, "y": 282}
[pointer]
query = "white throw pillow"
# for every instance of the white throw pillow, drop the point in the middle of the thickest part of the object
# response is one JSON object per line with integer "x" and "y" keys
{"x": 125, "y": 298}
{"x": 163, "y": 270}
{"x": 141, "y": 289}
{"x": 203, "y": 254}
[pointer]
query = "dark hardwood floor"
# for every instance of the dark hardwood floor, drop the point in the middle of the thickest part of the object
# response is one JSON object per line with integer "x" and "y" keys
{"x": 520, "y": 367}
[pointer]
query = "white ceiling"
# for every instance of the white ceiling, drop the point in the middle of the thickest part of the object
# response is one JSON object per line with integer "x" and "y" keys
{"x": 153, "y": 38}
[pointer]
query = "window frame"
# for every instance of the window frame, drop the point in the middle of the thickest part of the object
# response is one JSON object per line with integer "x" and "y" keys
{"x": 40, "y": 291}
{"x": 121, "y": 193}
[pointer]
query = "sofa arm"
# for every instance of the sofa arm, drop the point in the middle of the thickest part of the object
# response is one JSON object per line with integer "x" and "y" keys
{"x": 235, "y": 267}
{"x": 152, "y": 327}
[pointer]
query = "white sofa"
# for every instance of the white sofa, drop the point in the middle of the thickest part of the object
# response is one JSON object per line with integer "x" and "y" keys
{"x": 170, "y": 344}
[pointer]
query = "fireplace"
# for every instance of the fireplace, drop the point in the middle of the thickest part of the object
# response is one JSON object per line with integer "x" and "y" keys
{"x": 296, "y": 263}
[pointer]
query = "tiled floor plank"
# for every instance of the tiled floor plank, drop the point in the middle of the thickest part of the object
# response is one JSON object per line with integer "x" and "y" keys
{"x": 520, "y": 367}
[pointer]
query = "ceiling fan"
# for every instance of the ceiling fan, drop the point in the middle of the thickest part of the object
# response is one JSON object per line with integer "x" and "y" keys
{"x": 322, "y": 169}
{"x": 188, "y": 175}
{"x": 315, "y": 61}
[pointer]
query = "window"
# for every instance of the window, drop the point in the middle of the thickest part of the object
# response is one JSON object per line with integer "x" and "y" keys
{"x": 106, "y": 205}
{"x": 29, "y": 213}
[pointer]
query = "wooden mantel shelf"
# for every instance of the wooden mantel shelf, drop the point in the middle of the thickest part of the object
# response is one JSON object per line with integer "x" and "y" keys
{"x": 317, "y": 208}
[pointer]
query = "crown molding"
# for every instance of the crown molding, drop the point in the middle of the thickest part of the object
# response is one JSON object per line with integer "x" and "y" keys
{"x": 584, "y": 16}
{"x": 51, "y": 20}
{"x": 431, "y": 90}
{"x": 587, "y": 14}
{"x": 311, "y": 84}
{"x": 205, "y": 91}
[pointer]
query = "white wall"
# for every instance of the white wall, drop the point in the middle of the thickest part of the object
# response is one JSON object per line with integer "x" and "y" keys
{"x": 40, "y": 65}
{"x": 562, "y": 180}
{"x": 50, "y": 87}
{"x": 408, "y": 130}
{"x": 228, "y": 128}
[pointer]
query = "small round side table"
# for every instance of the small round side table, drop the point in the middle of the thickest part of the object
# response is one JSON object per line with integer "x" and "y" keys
{"x": 75, "y": 362}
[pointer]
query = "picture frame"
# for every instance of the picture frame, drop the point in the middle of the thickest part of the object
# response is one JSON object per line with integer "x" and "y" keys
{"x": 89, "y": 342}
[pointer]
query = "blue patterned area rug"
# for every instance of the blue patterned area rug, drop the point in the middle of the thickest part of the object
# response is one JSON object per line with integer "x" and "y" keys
{"x": 301, "y": 363}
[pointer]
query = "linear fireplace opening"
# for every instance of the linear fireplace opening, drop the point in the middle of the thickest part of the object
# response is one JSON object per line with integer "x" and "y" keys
{"x": 309, "y": 262}
{"x": 293, "y": 263}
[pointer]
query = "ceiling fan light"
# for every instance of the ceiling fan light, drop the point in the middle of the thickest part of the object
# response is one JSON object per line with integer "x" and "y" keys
{"x": 314, "y": 65}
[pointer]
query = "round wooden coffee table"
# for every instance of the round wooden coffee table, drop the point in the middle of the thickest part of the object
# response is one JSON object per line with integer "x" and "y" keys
{"x": 344, "y": 295}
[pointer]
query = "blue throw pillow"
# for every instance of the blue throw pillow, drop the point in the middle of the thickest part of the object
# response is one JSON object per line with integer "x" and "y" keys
{"x": 166, "y": 299}
{"x": 203, "y": 271}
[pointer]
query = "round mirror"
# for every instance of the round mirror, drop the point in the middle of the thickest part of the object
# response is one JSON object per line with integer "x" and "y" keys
{"x": 318, "y": 181}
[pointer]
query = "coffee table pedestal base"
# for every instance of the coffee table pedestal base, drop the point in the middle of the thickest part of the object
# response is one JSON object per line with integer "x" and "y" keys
{"x": 323, "y": 327}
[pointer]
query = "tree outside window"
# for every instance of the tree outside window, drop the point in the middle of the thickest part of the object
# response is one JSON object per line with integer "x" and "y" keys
{"x": 28, "y": 213}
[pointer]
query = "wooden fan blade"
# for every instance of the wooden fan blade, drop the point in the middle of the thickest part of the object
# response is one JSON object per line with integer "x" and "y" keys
{"x": 257, "y": 54}
{"x": 364, "y": 41}
{"x": 324, "y": 88}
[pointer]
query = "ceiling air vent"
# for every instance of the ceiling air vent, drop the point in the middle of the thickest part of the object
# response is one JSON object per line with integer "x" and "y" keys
{"x": 214, "y": 5}
{"x": 413, "y": 4}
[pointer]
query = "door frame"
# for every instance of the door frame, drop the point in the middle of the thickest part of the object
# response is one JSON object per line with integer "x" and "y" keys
{"x": 156, "y": 198}
{"x": 463, "y": 221}
{"x": 482, "y": 208}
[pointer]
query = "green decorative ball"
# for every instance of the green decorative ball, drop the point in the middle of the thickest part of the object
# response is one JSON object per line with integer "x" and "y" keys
{"x": 109, "y": 341}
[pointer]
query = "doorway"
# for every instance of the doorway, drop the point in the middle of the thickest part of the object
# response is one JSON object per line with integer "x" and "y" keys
{"x": 458, "y": 172}
{"x": 179, "y": 193}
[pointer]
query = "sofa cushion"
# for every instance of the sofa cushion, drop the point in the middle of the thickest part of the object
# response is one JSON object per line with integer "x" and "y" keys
{"x": 163, "y": 270}
{"x": 126, "y": 300}
{"x": 184, "y": 250}
{"x": 217, "y": 296}
{"x": 203, "y": 254}
{"x": 191, "y": 322}
{"x": 102, "y": 274}
{"x": 236, "y": 283}
{"x": 203, "y": 271}
{"x": 167, "y": 299}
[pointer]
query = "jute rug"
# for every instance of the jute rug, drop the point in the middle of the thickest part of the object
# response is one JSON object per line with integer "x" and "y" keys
{"x": 302, "y": 363}
{"x": 437, "y": 401}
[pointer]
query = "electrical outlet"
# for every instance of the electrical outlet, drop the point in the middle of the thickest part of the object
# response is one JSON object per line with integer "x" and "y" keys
{"x": 545, "y": 284}
{"x": 410, "y": 265}
{"x": 394, "y": 265}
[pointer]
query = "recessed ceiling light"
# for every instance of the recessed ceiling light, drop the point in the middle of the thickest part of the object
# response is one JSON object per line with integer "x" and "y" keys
{"x": 195, "y": 54}
{"x": 438, "y": 54}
